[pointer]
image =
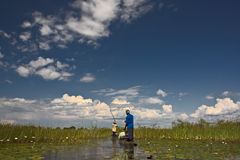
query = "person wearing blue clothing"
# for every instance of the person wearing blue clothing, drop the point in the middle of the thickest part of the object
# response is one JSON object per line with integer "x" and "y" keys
{"x": 129, "y": 125}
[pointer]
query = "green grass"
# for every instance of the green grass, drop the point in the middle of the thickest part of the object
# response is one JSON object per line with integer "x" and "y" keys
{"x": 228, "y": 131}
{"x": 32, "y": 134}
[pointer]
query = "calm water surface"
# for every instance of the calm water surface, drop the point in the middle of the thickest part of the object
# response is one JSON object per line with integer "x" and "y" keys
{"x": 114, "y": 149}
{"x": 94, "y": 149}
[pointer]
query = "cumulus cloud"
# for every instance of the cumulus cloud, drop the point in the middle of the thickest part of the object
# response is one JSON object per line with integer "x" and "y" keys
{"x": 25, "y": 36}
{"x": 167, "y": 108}
{"x": 72, "y": 109}
{"x": 120, "y": 101}
{"x": 88, "y": 78}
{"x": 47, "y": 68}
{"x": 23, "y": 71}
{"x": 161, "y": 93}
{"x": 151, "y": 100}
{"x": 223, "y": 106}
{"x": 183, "y": 117}
{"x": 26, "y": 24}
{"x": 71, "y": 100}
{"x": 40, "y": 62}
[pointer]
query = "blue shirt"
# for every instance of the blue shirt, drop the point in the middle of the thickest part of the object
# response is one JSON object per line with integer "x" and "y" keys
{"x": 129, "y": 121}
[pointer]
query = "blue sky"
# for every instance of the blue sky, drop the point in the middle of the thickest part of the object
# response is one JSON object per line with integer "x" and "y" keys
{"x": 164, "y": 57}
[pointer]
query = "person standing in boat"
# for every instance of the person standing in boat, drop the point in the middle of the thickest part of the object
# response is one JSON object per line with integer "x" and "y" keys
{"x": 129, "y": 125}
{"x": 114, "y": 128}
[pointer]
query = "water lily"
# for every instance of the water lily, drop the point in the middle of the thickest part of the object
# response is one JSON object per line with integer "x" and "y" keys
{"x": 25, "y": 136}
{"x": 16, "y": 138}
{"x": 33, "y": 137}
{"x": 66, "y": 137}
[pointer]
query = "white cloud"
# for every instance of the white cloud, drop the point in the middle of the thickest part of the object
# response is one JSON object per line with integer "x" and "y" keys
{"x": 120, "y": 94}
{"x": 72, "y": 100}
{"x": 95, "y": 19}
{"x": 133, "y": 9}
{"x": 44, "y": 46}
{"x": 88, "y": 78}
{"x": 151, "y": 100}
{"x": 47, "y": 68}
{"x": 15, "y": 101}
{"x": 26, "y": 24}
{"x": 4, "y": 34}
{"x": 129, "y": 92}
{"x": 167, "y": 108}
{"x": 183, "y": 117}
{"x": 120, "y": 101}
{"x": 146, "y": 114}
{"x": 1, "y": 55}
{"x": 2, "y": 63}
{"x": 8, "y": 81}
{"x": 226, "y": 93}
{"x": 223, "y": 106}
{"x": 40, "y": 62}
{"x": 73, "y": 109}
{"x": 85, "y": 22}
{"x": 209, "y": 97}
{"x": 23, "y": 71}
{"x": 182, "y": 94}
{"x": 7, "y": 121}
{"x": 45, "y": 30}
{"x": 48, "y": 73}
{"x": 161, "y": 93}
{"x": 25, "y": 36}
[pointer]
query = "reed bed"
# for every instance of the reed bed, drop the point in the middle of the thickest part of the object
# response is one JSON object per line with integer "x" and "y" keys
{"x": 32, "y": 134}
{"x": 221, "y": 131}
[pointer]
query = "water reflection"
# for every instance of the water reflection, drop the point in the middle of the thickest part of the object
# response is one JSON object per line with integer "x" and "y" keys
{"x": 129, "y": 150}
{"x": 112, "y": 148}
{"x": 98, "y": 149}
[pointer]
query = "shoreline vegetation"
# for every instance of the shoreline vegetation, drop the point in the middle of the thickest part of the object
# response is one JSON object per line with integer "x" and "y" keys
{"x": 220, "y": 131}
